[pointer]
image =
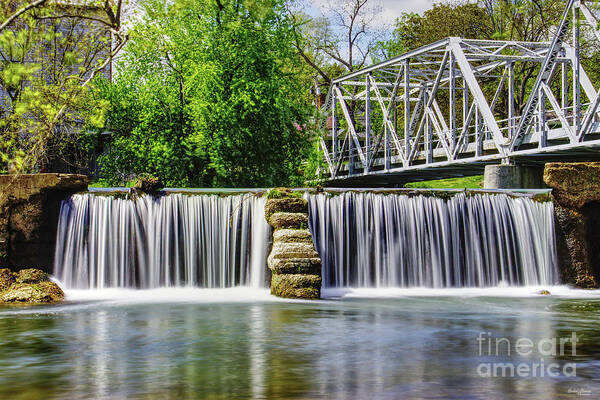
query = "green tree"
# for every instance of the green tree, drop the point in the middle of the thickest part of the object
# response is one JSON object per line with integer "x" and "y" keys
{"x": 443, "y": 20}
{"x": 208, "y": 94}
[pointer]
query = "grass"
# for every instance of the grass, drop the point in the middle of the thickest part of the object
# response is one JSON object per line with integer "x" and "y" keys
{"x": 467, "y": 182}
{"x": 275, "y": 193}
{"x": 101, "y": 183}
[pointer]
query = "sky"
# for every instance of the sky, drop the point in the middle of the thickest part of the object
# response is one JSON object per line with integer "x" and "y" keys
{"x": 391, "y": 9}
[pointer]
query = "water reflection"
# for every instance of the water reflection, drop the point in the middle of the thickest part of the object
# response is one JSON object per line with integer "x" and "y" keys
{"x": 258, "y": 362}
{"x": 362, "y": 348}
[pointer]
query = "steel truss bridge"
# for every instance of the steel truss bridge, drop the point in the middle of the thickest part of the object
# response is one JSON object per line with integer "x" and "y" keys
{"x": 448, "y": 109}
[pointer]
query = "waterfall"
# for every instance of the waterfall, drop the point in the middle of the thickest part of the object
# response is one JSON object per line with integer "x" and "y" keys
{"x": 364, "y": 240}
{"x": 205, "y": 241}
{"x": 467, "y": 240}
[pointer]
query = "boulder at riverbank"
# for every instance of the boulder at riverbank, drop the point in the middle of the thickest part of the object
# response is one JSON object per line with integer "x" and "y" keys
{"x": 28, "y": 286}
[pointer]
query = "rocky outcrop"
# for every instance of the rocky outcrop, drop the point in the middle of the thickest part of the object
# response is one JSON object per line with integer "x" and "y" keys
{"x": 29, "y": 209}
{"x": 574, "y": 184}
{"x": 576, "y": 194}
{"x": 293, "y": 260}
{"x": 28, "y": 286}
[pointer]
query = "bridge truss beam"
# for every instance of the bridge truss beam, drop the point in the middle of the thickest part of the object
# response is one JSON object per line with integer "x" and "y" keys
{"x": 454, "y": 102}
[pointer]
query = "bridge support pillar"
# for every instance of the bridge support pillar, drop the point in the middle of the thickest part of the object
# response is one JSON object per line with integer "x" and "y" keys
{"x": 513, "y": 177}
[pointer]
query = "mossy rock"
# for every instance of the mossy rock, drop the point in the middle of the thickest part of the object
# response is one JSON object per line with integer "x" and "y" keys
{"x": 148, "y": 184}
{"x": 43, "y": 292}
{"x": 7, "y": 278}
{"x": 288, "y": 205}
{"x": 28, "y": 286}
{"x": 292, "y": 236}
{"x": 278, "y": 193}
{"x": 574, "y": 184}
{"x": 296, "y": 286}
{"x": 31, "y": 275}
{"x": 310, "y": 266}
{"x": 286, "y": 220}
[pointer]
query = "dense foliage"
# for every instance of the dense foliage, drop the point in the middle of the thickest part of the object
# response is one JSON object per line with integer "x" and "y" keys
{"x": 208, "y": 94}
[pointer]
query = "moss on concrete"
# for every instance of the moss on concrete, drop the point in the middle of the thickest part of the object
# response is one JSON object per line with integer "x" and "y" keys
{"x": 467, "y": 182}
{"x": 296, "y": 286}
{"x": 542, "y": 197}
{"x": 281, "y": 192}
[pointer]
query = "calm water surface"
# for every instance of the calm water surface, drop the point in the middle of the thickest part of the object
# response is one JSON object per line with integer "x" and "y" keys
{"x": 214, "y": 346}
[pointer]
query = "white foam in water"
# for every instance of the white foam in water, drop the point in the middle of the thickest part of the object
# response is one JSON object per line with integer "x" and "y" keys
{"x": 78, "y": 300}
{"x": 252, "y": 295}
{"x": 171, "y": 295}
{"x": 88, "y": 299}
{"x": 497, "y": 291}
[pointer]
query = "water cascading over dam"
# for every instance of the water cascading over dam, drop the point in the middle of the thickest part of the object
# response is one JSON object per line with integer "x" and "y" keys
{"x": 467, "y": 240}
{"x": 364, "y": 240}
{"x": 176, "y": 240}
